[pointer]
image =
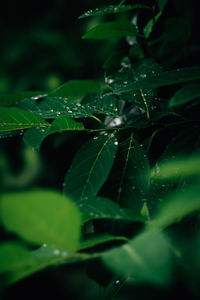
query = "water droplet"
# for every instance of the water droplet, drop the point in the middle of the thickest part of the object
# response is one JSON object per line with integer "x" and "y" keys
{"x": 56, "y": 252}
{"x": 116, "y": 143}
{"x": 117, "y": 281}
{"x": 44, "y": 245}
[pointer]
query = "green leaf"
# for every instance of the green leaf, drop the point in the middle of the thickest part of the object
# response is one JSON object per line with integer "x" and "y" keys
{"x": 150, "y": 24}
{"x": 41, "y": 216}
{"x": 158, "y": 80}
{"x": 90, "y": 167}
{"x": 146, "y": 258}
{"x": 106, "y": 104}
{"x": 128, "y": 183}
{"x": 177, "y": 206}
{"x": 186, "y": 94}
{"x": 65, "y": 123}
{"x": 127, "y": 75}
{"x": 76, "y": 89}
{"x": 55, "y": 107}
{"x": 162, "y": 4}
{"x": 102, "y": 208}
{"x": 176, "y": 168}
{"x": 37, "y": 260}
{"x": 111, "y": 30}
{"x": 98, "y": 240}
{"x": 15, "y": 119}
{"x": 111, "y": 9}
{"x": 14, "y": 256}
{"x": 35, "y": 136}
{"x": 12, "y": 99}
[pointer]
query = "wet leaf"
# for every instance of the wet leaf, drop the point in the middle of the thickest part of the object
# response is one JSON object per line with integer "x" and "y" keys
{"x": 16, "y": 118}
{"x": 90, "y": 167}
{"x": 111, "y": 9}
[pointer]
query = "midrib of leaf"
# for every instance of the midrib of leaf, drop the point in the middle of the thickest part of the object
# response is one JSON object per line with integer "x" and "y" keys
{"x": 124, "y": 170}
{"x": 142, "y": 94}
{"x": 94, "y": 164}
{"x": 22, "y": 125}
{"x": 133, "y": 254}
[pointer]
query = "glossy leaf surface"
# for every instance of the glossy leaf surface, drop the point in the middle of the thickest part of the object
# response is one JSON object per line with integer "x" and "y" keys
{"x": 90, "y": 167}
{"x": 159, "y": 80}
{"x": 55, "y": 107}
{"x": 76, "y": 89}
{"x": 128, "y": 184}
{"x": 102, "y": 208}
{"x": 34, "y": 136}
{"x": 111, "y": 9}
{"x": 15, "y": 119}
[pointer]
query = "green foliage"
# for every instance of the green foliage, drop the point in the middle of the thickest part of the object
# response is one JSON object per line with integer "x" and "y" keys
{"x": 90, "y": 167}
{"x": 111, "y": 30}
{"x": 26, "y": 214}
{"x": 111, "y": 9}
{"x": 126, "y": 149}
{"x": 16, "y": 118}
{"x": 145, "y": 264}
{"x": 187, "y": 93}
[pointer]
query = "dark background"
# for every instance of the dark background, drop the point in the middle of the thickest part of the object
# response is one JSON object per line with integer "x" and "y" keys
{"x": 41, "y": 48}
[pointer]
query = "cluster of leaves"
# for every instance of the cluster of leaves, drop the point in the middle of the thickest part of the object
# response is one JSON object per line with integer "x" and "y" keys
{"x": 119, "y": 179}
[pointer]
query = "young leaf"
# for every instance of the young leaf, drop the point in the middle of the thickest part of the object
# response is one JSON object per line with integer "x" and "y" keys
{"x": 111, "y": 30}
{"x": 146, "y": 258}
{"x": 177, "y": 206}
{"x": 127, "y": 183}
{"x": 12, "y": 99}
{"x": 90, "y": 167}
{"x": 186, "y": 94}
{"x": 41, "y": 216}
{"x": 16, "y": 118}
{"x": 35, "y": 136}
{"x": 76, "y": 89}
{"x": 111, "y": 9}
{"x": 102, "y": 208}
